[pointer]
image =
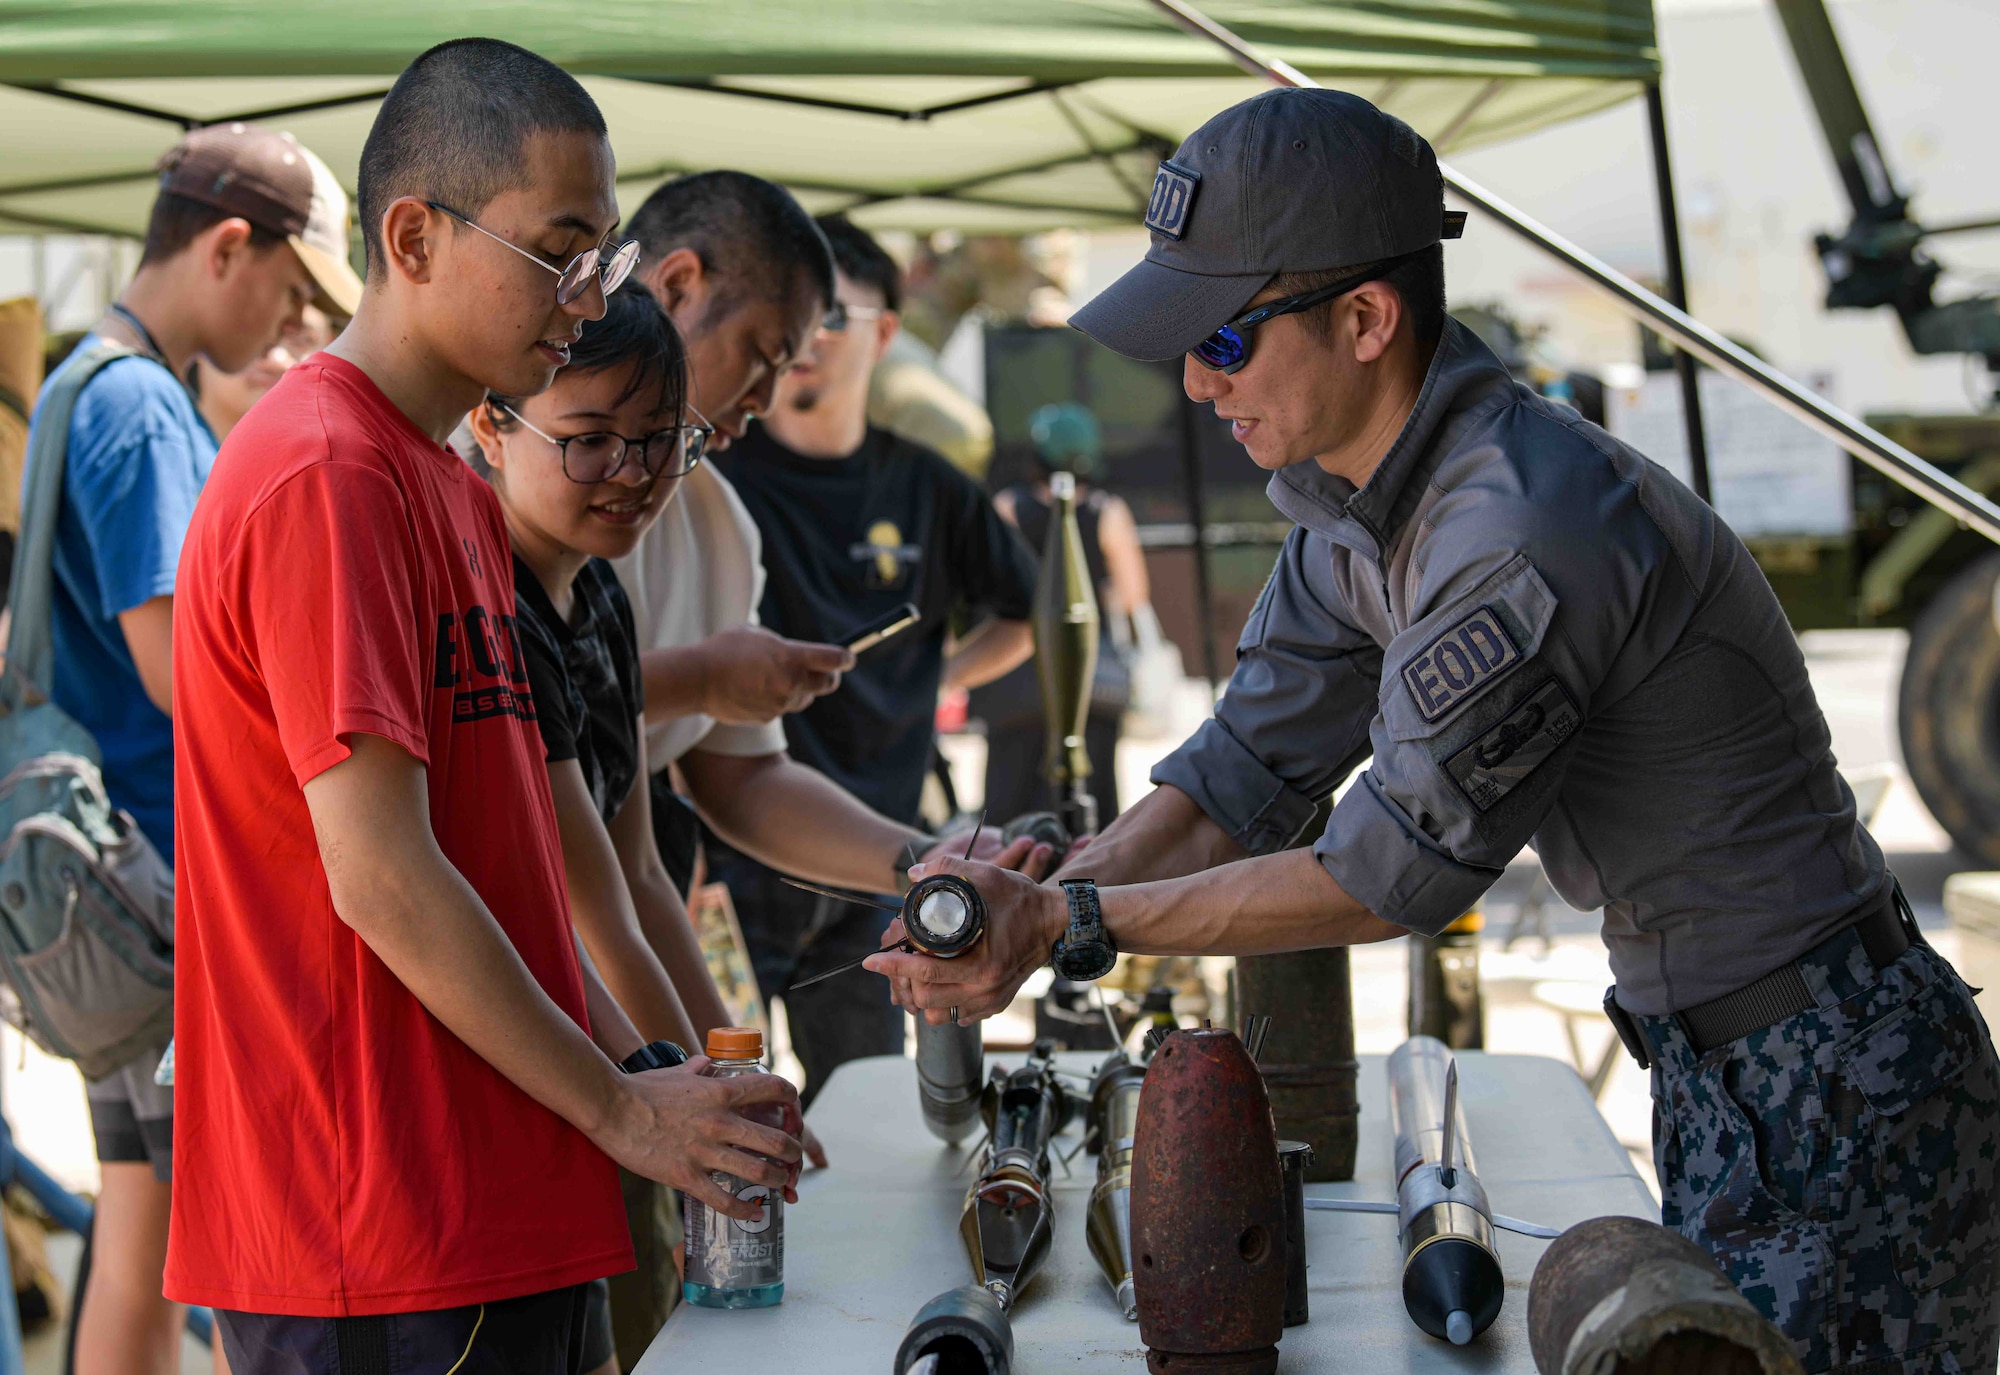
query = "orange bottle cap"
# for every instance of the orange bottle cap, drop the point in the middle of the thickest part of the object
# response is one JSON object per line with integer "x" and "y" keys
{"x": 735, "y": 1043}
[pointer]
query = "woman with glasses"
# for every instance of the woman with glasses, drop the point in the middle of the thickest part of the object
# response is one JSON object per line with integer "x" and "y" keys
{"x": 581, "y": 471}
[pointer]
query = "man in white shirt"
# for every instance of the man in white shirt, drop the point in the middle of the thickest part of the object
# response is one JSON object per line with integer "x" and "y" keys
{"x": 746, "y": 277}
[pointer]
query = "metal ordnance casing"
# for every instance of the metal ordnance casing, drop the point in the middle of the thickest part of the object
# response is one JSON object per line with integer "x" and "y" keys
{"x": 1452, "y": 1286}
{"x": 1294, "y": 1159}
{"x": 1008, "y": 1220}
{"x": 1114, "y": 1121}
{"x": 1619, "y": 1293}
{"x": 961, "y": 1330}
{"x": 1208, "y": 1211}
{"x": 1066, "y": 627}
{"x": 951, "y": 1074}
{"x": 1308, "y": 1060}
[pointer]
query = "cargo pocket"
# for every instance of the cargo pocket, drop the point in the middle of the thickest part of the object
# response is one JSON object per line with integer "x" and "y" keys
{"x": 1928, "y": 1074}
{"x": 1715, "y": 1187}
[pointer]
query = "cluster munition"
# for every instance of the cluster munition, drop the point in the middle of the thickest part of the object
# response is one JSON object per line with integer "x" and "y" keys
{"x": 951, "y": 1060}
{"x": 1114, "y": 1122}
{"x": 1007, "y": 1221}
{"x": 1006, "y": 1224}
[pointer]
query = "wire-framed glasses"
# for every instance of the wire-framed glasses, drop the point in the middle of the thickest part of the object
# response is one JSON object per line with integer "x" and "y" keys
{"x": 842, "y": 315}
{"x": 601, "y": 455}
{"x": 611, "y": 264}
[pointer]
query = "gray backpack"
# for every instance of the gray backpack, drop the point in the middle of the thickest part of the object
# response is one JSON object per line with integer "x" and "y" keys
{"x": 86, "y": 902}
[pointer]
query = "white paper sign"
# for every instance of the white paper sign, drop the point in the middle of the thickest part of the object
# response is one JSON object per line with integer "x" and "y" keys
{"x": 1771, "y": 474}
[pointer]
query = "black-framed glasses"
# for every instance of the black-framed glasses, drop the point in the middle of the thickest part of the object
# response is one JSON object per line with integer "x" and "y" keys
{"x": 842, "y": 315}
{"x": 601, "y": 455}
{"x": 611, "y": 266}
{"x": 1228, "y": 349}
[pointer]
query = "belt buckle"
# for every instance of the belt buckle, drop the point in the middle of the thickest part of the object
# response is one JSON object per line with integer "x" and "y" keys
{"x": 1627, "y": 1029}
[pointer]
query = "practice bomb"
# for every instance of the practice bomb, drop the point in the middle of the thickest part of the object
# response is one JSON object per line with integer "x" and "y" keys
{"x": 1452, "y": 1284}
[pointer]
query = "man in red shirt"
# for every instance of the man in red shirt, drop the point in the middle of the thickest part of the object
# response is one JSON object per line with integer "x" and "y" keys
{"x": 394, "y": 1126}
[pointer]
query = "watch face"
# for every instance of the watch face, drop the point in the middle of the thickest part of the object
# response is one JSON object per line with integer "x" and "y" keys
{"x": 1082, "y": 963}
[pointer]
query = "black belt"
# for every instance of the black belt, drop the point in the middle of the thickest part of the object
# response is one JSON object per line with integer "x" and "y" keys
{"x": 1885, "y": 934}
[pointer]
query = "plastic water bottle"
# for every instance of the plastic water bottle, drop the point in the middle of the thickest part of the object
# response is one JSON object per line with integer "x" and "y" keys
{"x": 732, "y": 1263}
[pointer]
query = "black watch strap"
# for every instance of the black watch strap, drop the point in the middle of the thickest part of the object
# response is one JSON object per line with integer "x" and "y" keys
{"x": 1085, "y": 945}
{"x": 658, "y": 1055}
{"x": 1086, "y": 916}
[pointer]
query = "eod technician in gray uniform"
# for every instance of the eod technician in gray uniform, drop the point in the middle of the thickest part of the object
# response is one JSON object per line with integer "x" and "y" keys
{"x": 1537, "y": 634}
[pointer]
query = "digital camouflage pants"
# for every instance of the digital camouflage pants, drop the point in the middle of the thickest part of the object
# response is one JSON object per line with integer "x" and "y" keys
{"x": 1841, "y": 1165}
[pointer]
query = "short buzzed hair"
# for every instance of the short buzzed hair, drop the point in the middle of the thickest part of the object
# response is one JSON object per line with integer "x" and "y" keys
{"x": 751, "y": 235}
{"x": 453, "y": 127}
{"x": 862, "y": 260}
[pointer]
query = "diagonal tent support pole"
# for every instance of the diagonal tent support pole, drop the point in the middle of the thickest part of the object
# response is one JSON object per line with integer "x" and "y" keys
{"x": 1865, "y": 443}
{"x": 1670, "y": 246}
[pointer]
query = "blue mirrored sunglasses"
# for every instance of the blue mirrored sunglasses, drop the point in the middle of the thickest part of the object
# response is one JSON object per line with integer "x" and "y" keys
{"x": 1228, "y": 349}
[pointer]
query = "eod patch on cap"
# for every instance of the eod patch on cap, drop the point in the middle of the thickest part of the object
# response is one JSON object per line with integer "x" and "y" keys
{"x": 1172, "y": 200}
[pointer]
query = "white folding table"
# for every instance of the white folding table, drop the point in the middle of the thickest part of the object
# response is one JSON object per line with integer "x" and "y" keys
{"x": 875, "y": 1236}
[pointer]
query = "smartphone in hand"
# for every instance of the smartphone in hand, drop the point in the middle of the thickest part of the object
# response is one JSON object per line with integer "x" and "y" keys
{"x": 865, "y": 637}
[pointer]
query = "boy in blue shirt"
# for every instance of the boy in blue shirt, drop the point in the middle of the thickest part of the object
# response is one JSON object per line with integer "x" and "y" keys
{"x": 249, "y": 228}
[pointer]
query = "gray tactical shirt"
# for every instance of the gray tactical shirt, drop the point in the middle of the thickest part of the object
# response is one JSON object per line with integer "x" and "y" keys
{"x": 1538, "y": 634}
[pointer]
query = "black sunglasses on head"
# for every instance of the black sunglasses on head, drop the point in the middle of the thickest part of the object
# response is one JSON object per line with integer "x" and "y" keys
{"x": 1228, "y": 349}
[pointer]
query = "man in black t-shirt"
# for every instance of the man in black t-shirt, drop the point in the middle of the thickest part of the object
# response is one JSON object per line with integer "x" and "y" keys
{"x": 855, "y": 522}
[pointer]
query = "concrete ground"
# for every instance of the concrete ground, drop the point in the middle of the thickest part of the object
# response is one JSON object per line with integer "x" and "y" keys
{"x": 1541, "y": 995}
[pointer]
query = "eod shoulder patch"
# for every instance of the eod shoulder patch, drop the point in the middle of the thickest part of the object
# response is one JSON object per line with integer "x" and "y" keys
{"x": 1458, "y": 663}
{"x": 1514, "y": 747}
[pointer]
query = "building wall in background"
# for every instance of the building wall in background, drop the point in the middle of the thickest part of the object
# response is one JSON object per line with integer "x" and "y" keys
{"x": 1755, "y": 183}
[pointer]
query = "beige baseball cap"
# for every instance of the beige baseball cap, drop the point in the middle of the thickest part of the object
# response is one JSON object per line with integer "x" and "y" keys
{"x": 278, "y": 184}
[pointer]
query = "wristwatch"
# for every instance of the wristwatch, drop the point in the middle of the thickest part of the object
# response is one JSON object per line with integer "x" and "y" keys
{"x": 658, "y": 1055}
{"x": 1085, "y": 951}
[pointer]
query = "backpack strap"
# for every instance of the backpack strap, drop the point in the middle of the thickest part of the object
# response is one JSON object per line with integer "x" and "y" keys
{"x": 30, "y": 641}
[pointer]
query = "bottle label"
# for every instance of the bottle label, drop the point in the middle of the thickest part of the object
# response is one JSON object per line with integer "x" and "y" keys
{"x": 724, "y": 1253}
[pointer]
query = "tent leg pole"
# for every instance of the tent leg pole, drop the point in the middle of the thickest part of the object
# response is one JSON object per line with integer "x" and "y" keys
{"x": 1197, "y": 517}
{"x": 1670, "y": 243}
{"x": 1865, "y": 442}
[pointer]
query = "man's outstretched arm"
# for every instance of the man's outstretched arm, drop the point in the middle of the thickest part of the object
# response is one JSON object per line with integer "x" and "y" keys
{"x": 799, "y": 821}
{"x": 1168, "y": 883}
{"x": 392, "y": 884}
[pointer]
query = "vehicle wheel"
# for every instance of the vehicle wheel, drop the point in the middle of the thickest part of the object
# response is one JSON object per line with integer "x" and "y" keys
{"x": 1948, "y": 713}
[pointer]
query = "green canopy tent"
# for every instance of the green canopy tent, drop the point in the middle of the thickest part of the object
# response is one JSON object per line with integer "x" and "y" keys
{"x": 986, "y": 116}
{"x": 982, "y": 115}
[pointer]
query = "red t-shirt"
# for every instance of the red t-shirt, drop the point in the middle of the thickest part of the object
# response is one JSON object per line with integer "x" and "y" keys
{"x": 337, "y": 1151}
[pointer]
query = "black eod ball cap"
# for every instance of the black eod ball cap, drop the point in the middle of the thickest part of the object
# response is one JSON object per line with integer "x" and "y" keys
{"x": 1450, "y": 1275}
{"x": 1291, "y": 180}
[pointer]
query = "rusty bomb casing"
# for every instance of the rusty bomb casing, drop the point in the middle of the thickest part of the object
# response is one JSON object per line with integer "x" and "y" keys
{"x": 1208, "y": 1211}
{"x": 1618, "y": 1295}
